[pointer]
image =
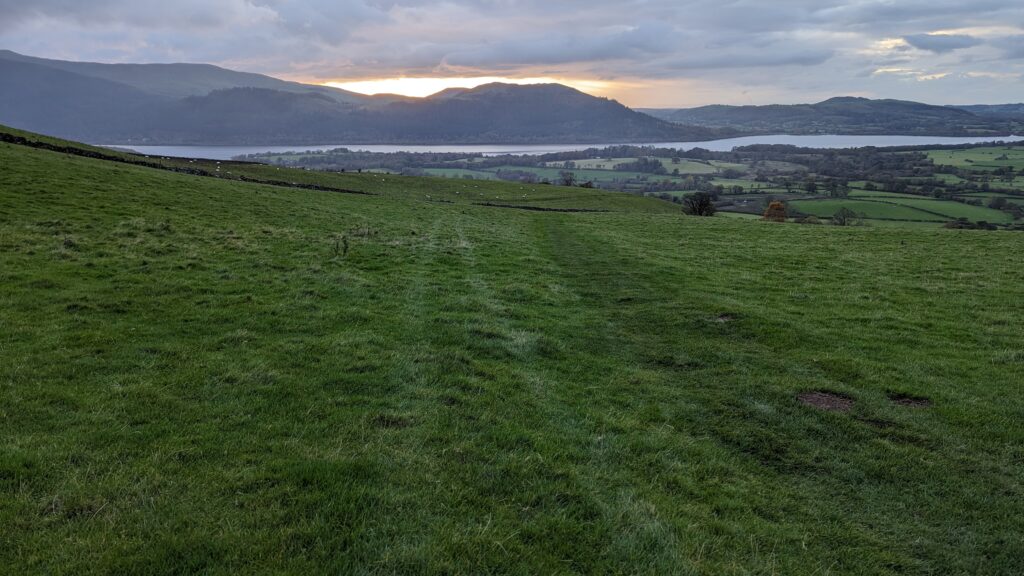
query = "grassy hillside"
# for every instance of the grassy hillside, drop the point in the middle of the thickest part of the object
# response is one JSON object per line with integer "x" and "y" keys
{"x": 204, "y": 375}
{"x": 981, "y": 158}
{"x": 878, "y": 208}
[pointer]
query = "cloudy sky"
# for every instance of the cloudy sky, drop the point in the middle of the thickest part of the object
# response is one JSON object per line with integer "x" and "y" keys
{"x": 642, "y": 52}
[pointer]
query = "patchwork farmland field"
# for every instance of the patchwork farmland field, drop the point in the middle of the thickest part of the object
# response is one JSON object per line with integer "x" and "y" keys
{"x": 951, "y": 187}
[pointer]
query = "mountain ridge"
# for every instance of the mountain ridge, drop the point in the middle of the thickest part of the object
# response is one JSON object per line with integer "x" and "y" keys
{"x": 847, "y": 115}
{"x": 205, "y": 104}
{"x": 184, "y": 104}
{"x": 179, "y": 79}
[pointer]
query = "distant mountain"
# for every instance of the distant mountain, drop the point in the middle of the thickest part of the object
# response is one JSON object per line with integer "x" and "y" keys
{"x": 1013, "y": 111}
{"x": 546, "y": 112}
{"x": 201, "y": 104}
{"x": 847, "y": 115}
{"x": 60, "y": 103}
{"x": 181, "y": 80}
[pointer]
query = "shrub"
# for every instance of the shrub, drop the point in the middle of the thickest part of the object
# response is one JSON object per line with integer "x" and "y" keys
{"x": 776, "y": 212}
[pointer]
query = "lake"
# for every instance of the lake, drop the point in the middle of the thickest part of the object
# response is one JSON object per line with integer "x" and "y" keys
{"x": 817, "y": 141}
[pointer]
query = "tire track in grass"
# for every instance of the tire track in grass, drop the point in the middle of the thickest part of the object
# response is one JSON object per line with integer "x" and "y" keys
{"x": 535, "y": 486}
{"x": 600, "y": 394}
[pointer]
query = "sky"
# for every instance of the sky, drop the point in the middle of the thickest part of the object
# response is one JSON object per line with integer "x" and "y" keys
{"x": 644, "y": 53}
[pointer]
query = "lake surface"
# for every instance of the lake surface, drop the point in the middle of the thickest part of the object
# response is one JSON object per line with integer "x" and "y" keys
{"x": 817, "y": 141}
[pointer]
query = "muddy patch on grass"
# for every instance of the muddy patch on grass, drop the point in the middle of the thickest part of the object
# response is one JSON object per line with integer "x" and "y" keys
{"x": 725, "y": 318}
{"x": 450, "y": 401}
{"x": 878, "y": 423}
{"x": 829, "y": 401}
{"x": 391, "y": 421}
{"x": 909, "y": 400}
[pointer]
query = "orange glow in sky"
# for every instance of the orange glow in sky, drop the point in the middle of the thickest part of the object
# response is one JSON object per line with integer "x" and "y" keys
{"x": 420, "y": 87}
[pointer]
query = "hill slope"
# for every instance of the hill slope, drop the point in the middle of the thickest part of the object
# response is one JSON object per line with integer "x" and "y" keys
{"x": 845, "y": 116}
{"x": 208, "y": 375}
{"x": 83, "y": 108}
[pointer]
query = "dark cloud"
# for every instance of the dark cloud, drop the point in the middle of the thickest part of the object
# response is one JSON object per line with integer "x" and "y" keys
{"x": 778, "y": 45}
{"x": 941, "y": 43}
{"x": 753, "y": 59}
{"x": 142, "y": 14}
{"x": 636, "y": 43}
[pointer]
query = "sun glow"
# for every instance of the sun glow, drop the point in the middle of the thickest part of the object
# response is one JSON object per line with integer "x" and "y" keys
{"x": 422, "y": 87}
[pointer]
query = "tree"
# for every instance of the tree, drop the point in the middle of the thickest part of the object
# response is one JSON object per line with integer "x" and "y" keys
{"x": 847, "y": 217}
{"x": 837, "y": 189}
{"x": 776, "y": 212}
{"x": 699, "y": 204}
{"x": 567, "y": 178}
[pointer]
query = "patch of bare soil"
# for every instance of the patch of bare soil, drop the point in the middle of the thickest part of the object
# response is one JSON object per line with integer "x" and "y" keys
{"x": 829, "y": 401}
{"x": 909, "y": 400}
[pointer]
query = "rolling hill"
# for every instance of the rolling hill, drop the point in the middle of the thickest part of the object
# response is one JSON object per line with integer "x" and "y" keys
{"x": 229, "y": 368}
{"x": 199, "y": 104}
{"x": 847, "y": 115}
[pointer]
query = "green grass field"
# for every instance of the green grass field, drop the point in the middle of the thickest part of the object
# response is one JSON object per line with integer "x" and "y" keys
{"x": 594, "y": 163}
{"x": 870, "y": 209}
{"x": 685, "y": 166}
{"x": 879, "y": 195}
{"x": 459, "y": 173}
{"x": 957, "y": 210}
{"x": 1017, "y": 184}
{"x": 739, "y": 215}
{"x": 892, "y": 206}
{"x": 207, "y": 376}
{"x": 980, "y": 158}
{"x": 986, "y": 196}
{"x": 554, "y": 174}
{"x": 692, "y": 166}
{"x": 949, "y": 178}
{"x": 748, "y": 185}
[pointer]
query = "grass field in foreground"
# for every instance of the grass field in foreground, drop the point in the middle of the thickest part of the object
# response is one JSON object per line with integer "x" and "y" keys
{"x": 198, "y": 378}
